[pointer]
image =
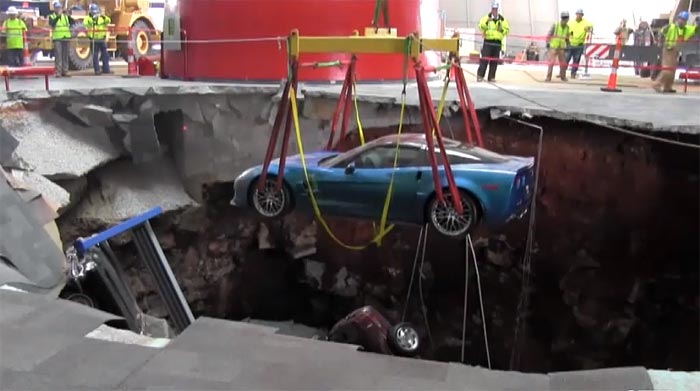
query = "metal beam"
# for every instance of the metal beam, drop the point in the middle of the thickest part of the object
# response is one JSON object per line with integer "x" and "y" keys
{"x": 357, "y": 44}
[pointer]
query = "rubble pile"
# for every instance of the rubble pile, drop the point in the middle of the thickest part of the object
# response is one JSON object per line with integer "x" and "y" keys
{"x": 614, "y": 270}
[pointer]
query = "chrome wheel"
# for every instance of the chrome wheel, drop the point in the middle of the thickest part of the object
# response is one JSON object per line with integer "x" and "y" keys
{"x": 406, "y": 338}
{"x": 447, "y": 220}
{"x": 269, "y": 201}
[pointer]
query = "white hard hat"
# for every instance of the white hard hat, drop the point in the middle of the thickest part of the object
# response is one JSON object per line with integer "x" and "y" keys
{"x": 495, "y": 4}
{"x": 12, "y": 10}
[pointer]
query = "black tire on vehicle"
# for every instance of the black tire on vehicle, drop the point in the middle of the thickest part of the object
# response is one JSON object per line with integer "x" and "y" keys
{"x": 404, "y": 340}
{"x": 444, "y": 218}
{"x": 80, "y": 51}
{"x": 270, "y": 202}
{"x": 141, "y": 39}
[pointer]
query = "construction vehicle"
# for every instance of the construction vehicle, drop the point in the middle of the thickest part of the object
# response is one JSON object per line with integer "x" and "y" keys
{"x": 130, "y": 21}
{"x": 128, "y": 16}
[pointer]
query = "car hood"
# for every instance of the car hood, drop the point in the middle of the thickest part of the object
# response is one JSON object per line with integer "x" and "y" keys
{"x": 312, "y": 158}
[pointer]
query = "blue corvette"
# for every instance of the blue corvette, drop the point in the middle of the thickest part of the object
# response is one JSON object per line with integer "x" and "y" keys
{"x": 494, "y": 188}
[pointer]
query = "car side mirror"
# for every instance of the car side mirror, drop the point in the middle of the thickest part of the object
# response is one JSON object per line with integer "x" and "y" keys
{"x": 350, "y": 168}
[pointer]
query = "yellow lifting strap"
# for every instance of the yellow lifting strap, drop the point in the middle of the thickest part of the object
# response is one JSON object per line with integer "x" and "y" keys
{"x": 384, "y": 230}
{"x": 441, "y": 106}
{"x": 357, "y": 114}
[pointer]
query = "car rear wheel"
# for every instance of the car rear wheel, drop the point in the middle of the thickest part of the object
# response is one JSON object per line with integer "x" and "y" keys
{"x": 404, "y": 339}
{"x": 445, "y": 218}
{"x": 270, "y": 202}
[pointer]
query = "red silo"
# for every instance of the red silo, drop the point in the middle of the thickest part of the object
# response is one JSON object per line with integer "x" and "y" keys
{"x": 207, "y": 25}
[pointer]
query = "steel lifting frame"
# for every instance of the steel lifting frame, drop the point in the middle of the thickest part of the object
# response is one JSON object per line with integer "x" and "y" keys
{"x": 412, "y": 46}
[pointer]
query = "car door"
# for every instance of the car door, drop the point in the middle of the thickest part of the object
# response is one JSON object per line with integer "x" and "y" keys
{"x": 365, "y": 179}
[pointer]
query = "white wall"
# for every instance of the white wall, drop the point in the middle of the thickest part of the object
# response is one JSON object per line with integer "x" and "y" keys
{"x": 520, "y": 13}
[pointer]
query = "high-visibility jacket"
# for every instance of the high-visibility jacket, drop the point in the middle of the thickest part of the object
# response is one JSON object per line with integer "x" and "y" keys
{"x": 60, "y": 24}
{"x": 14, "y": 30}
{"x": 558, "y": 35}
{"x": 675, "y": 34}
{"x": 579, "y": 31}
{"x": 97, "y": 27}
{"x": 489, "y": 26}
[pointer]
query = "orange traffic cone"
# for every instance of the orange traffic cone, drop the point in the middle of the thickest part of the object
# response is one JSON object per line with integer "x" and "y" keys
{"x": 27, "y": 60}
{"x": 612, "y": 79}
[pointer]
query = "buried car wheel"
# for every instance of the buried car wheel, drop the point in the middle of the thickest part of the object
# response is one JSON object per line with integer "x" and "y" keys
{"x": 270, "y": 202}
{"x": 445, "y": 218}
{"x": 404, "y": 339}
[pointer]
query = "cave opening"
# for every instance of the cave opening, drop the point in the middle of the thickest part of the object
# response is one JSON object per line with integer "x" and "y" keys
{"x": 614, "y": 278}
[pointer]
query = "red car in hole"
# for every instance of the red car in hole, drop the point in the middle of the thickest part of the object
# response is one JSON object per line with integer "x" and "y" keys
{"x": 367, "y": 328}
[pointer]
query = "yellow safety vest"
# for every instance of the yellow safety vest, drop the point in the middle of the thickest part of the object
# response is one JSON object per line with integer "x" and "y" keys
{"x": 674, "y": 34}
{"x": 579, "y": 31}
{"x": 62, "y": 28}
{"x": 98, "y": 26}
{"x": 558, "y": 40}
{"x": 14, "y": 31}
{"x": 490, "y": 27}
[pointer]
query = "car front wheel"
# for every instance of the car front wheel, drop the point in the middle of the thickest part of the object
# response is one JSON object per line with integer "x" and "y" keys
{"x": 270, "y": 202}
{"x": 404, "y": 339}
{"x": 445, "y": 218}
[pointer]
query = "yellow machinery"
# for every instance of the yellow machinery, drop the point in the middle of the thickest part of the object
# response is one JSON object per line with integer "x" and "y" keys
{"x": 128, "y": 16}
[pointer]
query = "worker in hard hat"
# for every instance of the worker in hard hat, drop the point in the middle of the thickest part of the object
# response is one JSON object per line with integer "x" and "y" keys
{"x": 96, "y": 24}
{"x": 61, "y": 24}
{"x": 558, "y": 41}
{"x": 494, "y": 28}
{"x": 580, "y": 29}
{"x": 674, "y": 33}
{"x": 14, "y": 30}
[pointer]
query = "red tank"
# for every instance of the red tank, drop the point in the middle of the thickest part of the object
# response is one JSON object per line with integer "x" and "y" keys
{"x": 203, "y": 20}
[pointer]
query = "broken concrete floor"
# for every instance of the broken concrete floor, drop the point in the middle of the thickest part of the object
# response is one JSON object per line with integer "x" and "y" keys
{"x": 616, "y": 235}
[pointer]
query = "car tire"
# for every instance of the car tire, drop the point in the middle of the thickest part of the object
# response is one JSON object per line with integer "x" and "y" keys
{"x": 270, "y": 203}
{"x": 444, "y": 218}
{"x": 404, "y": 340}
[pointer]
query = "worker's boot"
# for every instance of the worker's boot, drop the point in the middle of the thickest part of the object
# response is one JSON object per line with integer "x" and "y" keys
{"x": 549, "y": 75}
{"x": 562, "y": 75}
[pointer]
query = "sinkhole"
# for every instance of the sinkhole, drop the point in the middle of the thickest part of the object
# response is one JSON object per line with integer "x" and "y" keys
{"x": 613, "y": 278}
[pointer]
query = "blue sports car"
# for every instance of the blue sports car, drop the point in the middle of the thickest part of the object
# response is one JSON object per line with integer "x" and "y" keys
{"x": 494, "y": 188}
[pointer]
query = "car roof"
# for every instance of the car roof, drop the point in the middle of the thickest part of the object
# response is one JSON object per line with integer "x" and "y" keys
{"x": 411, "y": 138}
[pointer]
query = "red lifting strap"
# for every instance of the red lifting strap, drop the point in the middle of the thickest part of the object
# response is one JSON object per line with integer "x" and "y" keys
{"x": 284, "y": 109}
{"x": 467, "y": 105}
{"x": 429, "y": 123}
{"x": 344, "y": 106}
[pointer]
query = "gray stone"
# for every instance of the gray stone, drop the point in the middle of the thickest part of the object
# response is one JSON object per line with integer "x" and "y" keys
{"x": 345, "y": 284}
{"x": 313, "y": 273}
{"x": 127, "y": 190}
{"x": 53, "y": 192}
{"x": 91, "y": 115}
{"x": 8, "y": 144}
{"x": 57, "y": 148}
{"x": 76, "y": 189}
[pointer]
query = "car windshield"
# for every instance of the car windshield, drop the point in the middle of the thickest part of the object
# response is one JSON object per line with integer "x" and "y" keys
{"x": 335, "y": 160}
{"x": 462, "y": 153}
{"x": 472, "y": 153}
